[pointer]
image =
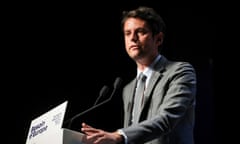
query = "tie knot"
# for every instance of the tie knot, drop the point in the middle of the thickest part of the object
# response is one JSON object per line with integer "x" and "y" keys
{"x": 142, "y": 77}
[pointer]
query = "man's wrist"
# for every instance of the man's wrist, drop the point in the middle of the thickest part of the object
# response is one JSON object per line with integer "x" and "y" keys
{"x": 123, "y": 136}
{"x": 119, "y": 137}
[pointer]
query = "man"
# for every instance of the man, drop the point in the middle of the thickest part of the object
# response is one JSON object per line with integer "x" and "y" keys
{"x": 166, "y": 108}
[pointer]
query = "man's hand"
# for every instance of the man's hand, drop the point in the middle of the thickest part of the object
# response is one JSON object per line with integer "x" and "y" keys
{"x": 98, "y": 136}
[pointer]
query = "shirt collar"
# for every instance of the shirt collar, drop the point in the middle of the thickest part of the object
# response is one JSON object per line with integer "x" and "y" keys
{"x": 149, "y": 70}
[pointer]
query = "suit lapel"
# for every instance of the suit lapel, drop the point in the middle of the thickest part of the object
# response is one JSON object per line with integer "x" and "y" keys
{"x": 156, "y": 76}
{"x": 130, "y": 101}
{"x": 159, "y": 68}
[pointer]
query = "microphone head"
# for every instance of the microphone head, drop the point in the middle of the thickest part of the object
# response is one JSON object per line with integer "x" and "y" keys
{"x": 104, "y": 91}
{"x": 117, "y": 83}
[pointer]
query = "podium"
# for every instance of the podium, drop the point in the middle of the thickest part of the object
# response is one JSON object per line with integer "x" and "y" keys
{"x": 63, "y": 136}
{"x": 71, "y": 137}
{"x": 47, "y": 129}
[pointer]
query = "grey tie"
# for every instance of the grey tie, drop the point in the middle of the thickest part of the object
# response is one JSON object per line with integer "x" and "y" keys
{"x": 138, "y": 98}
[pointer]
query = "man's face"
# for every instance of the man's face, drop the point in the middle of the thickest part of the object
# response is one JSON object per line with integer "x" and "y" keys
{"x": 139, "y": 40}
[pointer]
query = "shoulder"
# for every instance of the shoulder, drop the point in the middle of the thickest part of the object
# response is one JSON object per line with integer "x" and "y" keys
{"x": 176, "y": 69}
{"x": 179, "y": 65}
{"x": 167, "y": 65}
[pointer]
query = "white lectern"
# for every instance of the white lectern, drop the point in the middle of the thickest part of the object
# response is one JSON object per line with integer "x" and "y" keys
{"x": 72, "y": 137}
{"x": 47, "y": 129}
{"x": 63, "y": 136}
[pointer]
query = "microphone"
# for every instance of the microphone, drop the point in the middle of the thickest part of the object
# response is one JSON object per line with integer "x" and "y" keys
{"x": 103, "y": 92}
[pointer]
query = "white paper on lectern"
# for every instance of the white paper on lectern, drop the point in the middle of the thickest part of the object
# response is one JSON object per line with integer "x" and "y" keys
{"x": 46, "y": 129}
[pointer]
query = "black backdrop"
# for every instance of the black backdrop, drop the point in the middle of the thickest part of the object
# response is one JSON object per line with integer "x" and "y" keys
{"x": 68, "y": 51}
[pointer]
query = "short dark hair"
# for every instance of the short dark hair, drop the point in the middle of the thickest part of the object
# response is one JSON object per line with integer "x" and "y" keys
{"x": 153, "y": 19}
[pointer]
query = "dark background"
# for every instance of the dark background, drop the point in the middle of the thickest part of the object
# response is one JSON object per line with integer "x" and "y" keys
{"x": 69, "y": 51}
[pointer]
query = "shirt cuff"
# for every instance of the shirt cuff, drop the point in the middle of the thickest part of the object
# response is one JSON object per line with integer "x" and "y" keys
{"x": 123, "y": 134}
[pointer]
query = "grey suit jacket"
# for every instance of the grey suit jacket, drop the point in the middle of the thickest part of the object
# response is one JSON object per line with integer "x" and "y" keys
{"x": 167, "y": 116}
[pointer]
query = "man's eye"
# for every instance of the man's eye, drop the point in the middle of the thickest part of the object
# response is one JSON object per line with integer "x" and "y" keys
{"x": 127, "y": 33}
{"x": 142, "y": 31}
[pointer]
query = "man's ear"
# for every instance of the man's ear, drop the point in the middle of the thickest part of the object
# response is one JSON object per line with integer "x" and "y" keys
{"x": 160, "y": 37}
